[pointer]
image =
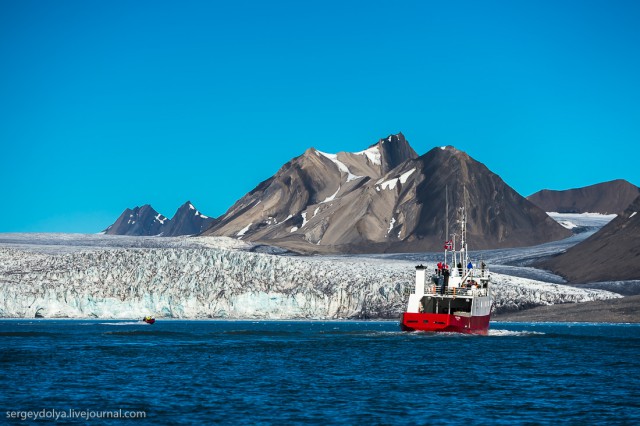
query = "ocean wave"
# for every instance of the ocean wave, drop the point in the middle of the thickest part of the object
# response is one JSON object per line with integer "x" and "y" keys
{"x": 27, "y": 334}
{"x": 503, "y": 333}
{"x": 147, "y": 333}
{"x": 123, "y": 323}
{"x": 261, "y": 333}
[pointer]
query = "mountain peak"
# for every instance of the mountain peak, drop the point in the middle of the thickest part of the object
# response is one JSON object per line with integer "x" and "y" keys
{"x": 394, "y": 150}
{"x": 144, "y": 220}
{"x": 187, "y": 221}
{"x": 310, "y": 151}
{"x": 187, "y": 205}
{"x": 446, "y": 155}
{"x": 397, "y": 138}
{"x": 445, "y": 149}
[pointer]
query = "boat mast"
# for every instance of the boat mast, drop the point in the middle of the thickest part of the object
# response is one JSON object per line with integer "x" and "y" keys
{"x": 446, "y": 215}
{"x": 454, "y": 252}
{"x": 463, "y": 243}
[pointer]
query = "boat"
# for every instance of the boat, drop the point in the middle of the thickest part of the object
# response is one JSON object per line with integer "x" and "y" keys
{"x": 456, "y": 297}
{"x": 149, "y": 319}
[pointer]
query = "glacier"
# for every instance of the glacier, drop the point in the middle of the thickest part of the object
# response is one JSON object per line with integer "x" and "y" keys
{"x": 100, "y": 276}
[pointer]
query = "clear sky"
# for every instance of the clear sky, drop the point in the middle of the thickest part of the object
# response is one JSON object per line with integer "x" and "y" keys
{"x": 106, "y": 105}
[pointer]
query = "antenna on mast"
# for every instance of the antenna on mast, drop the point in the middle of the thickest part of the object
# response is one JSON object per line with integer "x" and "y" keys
{"x": 464, "y": 225}
{"x": 446, "y": 214}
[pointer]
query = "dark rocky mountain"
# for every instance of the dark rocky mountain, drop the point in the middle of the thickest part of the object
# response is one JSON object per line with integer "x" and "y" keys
{"x": 606, "y": 198}
{"x": 497, "y": 215}
{"x": 145, "y": 221}
{"x": 186, "y": 221}
{"x": 611, "y": 254}
{"x": 141, "y": 221}
{"x": 282, "y": 204}
{"x": 384, "y": 199}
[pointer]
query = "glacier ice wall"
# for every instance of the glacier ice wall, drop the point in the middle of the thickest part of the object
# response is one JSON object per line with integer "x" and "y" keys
{"x": 212, "y": 280}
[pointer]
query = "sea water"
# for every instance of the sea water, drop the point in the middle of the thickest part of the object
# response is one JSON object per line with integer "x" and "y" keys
{"x": 316, "y": 372}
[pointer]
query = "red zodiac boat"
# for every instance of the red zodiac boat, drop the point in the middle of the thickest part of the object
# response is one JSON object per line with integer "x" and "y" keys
{"x": 454, "y": 299}
{"x": 149, "y": 319}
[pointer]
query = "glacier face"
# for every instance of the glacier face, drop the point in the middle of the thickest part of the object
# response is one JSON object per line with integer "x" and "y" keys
{"x": 58, "y": 276}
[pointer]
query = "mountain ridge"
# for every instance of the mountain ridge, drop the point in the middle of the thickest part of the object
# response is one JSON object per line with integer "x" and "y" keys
{"x": 187, "y": 220}
{"x": 611, "y": 254}
{"x": 143, "y": 220}
{"x": 610, "y": 197}
{"x": 146, "y": 221}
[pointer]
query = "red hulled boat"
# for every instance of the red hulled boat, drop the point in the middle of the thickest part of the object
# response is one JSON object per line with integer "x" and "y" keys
{"x": 456, "y": 297}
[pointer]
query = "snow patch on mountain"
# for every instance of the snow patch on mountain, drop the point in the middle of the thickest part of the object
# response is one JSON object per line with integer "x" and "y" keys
{"x": 243, "y": 230}
{"x": 271, "y": 221}
{"x": 373, "y": 154}
{"x": 582, "y": 219}
{"x": 391, "y": 224}
{"x": 331, "y": 198}
{"x": 391, "y": 183}
{"x": 341, "y": 166}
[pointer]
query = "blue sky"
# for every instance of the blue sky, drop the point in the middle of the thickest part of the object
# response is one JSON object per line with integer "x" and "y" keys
{"x": 108, "y": 105}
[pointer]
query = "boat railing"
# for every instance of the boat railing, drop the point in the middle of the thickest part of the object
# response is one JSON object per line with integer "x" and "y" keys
{"x": 473, "y": 273}
{"x": 455, "y": 291}
{"x": 476, "y": 273}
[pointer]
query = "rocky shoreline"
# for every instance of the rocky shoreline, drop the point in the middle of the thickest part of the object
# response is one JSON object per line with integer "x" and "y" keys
{"x": 623, "y": 310}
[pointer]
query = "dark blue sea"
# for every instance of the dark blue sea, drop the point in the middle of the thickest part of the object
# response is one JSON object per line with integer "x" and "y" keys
{"x": 295, "y": 372}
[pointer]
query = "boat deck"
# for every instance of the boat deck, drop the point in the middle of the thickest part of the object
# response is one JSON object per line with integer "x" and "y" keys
{"x": 435, "y": 290}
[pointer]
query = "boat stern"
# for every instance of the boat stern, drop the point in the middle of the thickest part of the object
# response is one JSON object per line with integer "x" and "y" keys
{"x": 444, "y": 323}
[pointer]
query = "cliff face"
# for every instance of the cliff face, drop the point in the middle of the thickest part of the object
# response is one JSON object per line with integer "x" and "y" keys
{"x": 218, "y": 278}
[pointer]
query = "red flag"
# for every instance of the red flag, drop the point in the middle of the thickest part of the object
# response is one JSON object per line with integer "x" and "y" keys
{"x": 448, "y": 245}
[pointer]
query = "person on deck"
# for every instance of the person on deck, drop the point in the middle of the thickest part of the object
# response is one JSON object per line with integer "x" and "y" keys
{"x": 445, "y": 273}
